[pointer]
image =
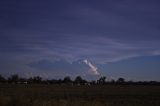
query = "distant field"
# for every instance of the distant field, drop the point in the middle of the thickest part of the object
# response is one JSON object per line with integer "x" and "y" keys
{"x": 67, "y": 95}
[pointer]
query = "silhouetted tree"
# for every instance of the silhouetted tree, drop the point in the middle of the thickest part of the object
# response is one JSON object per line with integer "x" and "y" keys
{"x": 23, "y": 80}
{"x": 101, "y": 80}
{"x": 13, "y": 78}
{"x": 37, "y": 79}
{"x": 130, "y": 82}
{"x": 121, "y": 80}
{"x": 52, "y": 81}
{"x": 78, "y": 80}
{"x": 93, "y": 82}
{"x": 67, "y": 80}
{"x": 2, "y": 79}
{"x": 30, "y": 80}
{"x": 112, "y": 81}
{"x": 59, "y": 81}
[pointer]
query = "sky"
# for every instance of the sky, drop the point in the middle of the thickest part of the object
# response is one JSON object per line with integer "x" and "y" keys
{"x": 90, "y": 38}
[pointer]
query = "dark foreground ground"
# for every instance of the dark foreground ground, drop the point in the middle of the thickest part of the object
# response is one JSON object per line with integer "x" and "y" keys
{"x": 67, "y": 95}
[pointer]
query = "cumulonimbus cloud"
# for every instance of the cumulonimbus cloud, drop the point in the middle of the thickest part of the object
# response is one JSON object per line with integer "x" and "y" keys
{"x": 93, "y": 68}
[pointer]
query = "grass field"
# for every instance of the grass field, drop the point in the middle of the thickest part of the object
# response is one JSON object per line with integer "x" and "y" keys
{"x": 67, "y": 95}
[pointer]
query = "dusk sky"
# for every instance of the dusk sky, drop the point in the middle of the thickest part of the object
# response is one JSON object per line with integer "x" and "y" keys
{"x": 90, "y": 38}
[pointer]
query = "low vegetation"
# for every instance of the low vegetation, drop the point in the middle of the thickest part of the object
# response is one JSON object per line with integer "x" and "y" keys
{"x": 38, "y": 92}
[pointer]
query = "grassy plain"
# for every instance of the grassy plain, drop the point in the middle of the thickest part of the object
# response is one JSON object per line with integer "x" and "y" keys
{"x": 68, "y": 95}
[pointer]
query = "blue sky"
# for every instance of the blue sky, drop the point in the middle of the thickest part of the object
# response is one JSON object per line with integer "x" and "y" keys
{"x": 52, "y": 38}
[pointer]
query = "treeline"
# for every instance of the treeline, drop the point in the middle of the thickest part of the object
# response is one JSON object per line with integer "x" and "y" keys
{"x": 15, "y": 79}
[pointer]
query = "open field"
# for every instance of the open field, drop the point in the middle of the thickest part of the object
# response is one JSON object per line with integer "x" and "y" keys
{"x": 67, "y": 95}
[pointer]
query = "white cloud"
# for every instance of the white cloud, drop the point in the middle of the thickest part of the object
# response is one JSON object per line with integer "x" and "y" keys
{"x": 93, "y": 69}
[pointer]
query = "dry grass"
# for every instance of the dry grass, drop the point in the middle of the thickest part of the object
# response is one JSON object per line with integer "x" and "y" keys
{"x": 56, "y": 95}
